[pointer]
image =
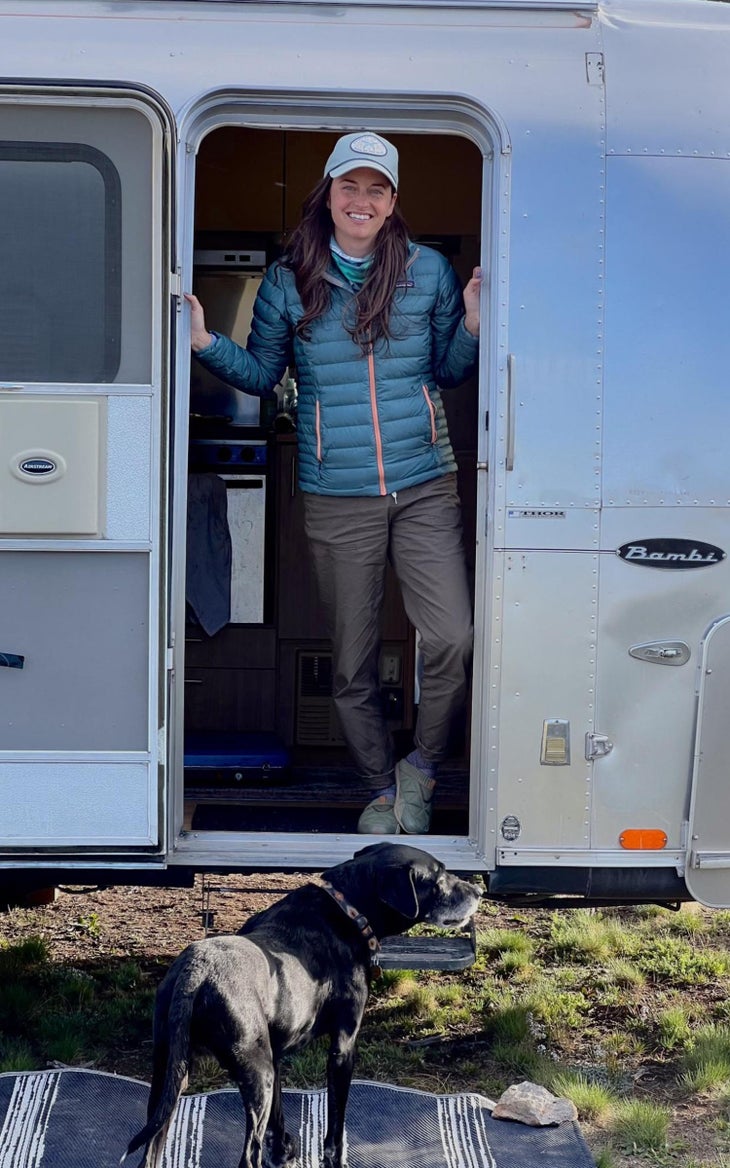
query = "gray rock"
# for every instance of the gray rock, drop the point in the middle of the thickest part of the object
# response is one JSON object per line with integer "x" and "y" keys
{"x": 529, "y": 1103}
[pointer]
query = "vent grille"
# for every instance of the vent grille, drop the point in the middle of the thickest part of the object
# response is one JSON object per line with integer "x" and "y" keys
{"x": 316, "y": 720}
{"x": 315, "y": 675}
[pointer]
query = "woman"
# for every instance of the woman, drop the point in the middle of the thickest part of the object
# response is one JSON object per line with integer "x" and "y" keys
{"x": 373, "y": 324}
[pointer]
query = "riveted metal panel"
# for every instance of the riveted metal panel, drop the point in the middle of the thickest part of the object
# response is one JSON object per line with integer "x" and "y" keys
{"x": 667, "y": 77}
{"x": 667, "y": 410}
{"x": 708, "y": 865}
{"x": 548, "y": 611}
{"x": 648, "y": 711}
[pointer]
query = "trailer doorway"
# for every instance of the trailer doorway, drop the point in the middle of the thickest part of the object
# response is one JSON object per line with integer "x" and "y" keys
{"x": 263, "y": 752}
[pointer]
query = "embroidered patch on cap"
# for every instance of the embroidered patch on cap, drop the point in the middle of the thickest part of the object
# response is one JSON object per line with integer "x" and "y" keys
{"x": 369, "y": 144}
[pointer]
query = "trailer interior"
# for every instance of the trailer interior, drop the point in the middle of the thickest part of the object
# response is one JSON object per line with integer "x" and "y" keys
{"x": 263, "y": 750}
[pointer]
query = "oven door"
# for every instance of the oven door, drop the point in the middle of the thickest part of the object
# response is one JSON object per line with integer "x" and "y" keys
{"x": 246, "y": 494}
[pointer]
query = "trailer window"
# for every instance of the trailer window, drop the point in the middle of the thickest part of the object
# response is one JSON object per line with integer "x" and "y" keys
{"x": 60, "y": 295}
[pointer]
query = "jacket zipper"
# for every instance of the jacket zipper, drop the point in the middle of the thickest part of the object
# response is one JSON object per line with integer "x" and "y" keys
{"x": 318, "y": 431}
{"x": 432, "y": 415}
{"x": 376, "y": 423}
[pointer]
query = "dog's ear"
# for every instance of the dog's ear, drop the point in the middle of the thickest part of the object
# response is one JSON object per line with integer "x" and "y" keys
{"x": 368, "y": 849}
{"x": 397, "y": 889}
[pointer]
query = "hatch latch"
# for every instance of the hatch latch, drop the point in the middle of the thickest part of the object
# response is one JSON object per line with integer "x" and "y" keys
{"x": 597, "y": 746}
{"x": 662, "y": 652}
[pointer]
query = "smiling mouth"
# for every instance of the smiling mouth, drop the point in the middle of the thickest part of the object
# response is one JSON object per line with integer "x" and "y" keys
{"x": 359, "y": 218}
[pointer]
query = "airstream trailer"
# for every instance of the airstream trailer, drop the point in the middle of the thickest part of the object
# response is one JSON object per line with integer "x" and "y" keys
{"x": 580, "y": 152}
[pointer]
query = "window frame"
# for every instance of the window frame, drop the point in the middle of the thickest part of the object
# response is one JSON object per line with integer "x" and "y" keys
{"x": 31, "y": 151}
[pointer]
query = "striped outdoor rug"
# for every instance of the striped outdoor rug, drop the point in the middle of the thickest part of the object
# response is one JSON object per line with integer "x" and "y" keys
{"x": 83, "y": 1119}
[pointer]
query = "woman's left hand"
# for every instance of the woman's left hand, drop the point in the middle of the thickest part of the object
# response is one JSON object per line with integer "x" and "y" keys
{"x": 471, "y": 302}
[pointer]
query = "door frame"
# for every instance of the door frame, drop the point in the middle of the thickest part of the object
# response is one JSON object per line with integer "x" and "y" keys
{"x": 400, "y": 114}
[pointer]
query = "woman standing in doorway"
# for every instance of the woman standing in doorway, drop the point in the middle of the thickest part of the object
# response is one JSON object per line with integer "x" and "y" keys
{"x": 374, "y": 324}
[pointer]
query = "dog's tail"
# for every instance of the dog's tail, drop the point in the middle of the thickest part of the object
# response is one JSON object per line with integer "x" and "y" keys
{"x": 173, "y": 1017}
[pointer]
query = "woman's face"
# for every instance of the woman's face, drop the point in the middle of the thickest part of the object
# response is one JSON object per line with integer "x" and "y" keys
{"x": 359, "y": 203}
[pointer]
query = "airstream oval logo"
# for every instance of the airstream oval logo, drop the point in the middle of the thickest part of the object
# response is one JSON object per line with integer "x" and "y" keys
{"x": 671, "y": 553}
{"x": 510, "y": 828}
{"x": 38, "y": 466}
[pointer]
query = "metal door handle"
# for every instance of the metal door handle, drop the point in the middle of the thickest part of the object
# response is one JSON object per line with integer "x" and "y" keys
{"x": 509, "y": 458}
{"x": 662, "y": 652}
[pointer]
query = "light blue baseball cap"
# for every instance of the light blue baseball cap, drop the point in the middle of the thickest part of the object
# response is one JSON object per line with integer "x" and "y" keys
{"x": 363, "y": 149}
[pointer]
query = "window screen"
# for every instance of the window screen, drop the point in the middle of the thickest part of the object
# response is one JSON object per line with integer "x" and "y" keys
{"x": 60, "y": 242}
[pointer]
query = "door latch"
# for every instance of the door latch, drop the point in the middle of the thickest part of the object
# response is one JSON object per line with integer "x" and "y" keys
{"x": 597, "y": 746}
{"x": 662, "y": 652}
{"x": 595, "y": 69}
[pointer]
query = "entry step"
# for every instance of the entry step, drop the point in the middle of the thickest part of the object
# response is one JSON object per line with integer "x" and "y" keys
{"x": 447, "y": 953}
{"x": 306, "y": 786}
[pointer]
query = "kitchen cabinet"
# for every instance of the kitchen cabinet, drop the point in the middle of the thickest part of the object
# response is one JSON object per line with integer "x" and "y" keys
{"x": 255, "y": 180}
{"x": 239, "y": 182}
{"x": 230, "y": 679}
{"x": 230, "y": 699}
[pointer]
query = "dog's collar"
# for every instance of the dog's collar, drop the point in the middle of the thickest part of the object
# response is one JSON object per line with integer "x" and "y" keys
{"x": 357, "y": 917}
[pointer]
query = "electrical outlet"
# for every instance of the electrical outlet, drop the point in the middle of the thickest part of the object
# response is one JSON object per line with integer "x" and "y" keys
{"x": 390, "y": 669}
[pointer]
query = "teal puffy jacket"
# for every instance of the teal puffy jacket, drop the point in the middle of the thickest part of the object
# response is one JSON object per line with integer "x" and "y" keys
{"x": 366, "y": 425}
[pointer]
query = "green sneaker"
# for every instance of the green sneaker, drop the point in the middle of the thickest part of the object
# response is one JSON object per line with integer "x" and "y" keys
{"x": 412, "y": 808}
{"x": 378, "y": 818}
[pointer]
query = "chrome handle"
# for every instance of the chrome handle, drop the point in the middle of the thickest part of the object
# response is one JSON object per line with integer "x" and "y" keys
{"x": 509, "y": 459}
{"x": 662, "y": 652}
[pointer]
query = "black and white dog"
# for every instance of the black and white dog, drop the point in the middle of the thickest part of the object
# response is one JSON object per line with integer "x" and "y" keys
{"x": 295, "y": 971}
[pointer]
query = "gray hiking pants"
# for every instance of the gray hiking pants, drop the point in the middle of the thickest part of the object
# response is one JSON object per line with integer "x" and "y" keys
{"x": 351, "y": 540}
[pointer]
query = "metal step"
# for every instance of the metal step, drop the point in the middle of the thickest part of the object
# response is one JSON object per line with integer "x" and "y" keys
{"x": 447, "y": 953}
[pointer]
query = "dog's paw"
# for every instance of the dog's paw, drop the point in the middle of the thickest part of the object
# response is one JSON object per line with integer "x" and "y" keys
{"x": 291, "y": 1149}
{"x": 330, "y": 1159}
{"x": 281, "y": 1153}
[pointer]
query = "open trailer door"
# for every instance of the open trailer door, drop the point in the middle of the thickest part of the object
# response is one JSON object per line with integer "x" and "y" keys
{"x": 83, "y": 396}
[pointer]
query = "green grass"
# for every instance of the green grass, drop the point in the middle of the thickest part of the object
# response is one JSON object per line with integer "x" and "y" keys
{"x": 674, "y": 1028}
{"x": 640, "y": 1126}
{"x": 681, "y": 962}
{"x": 688, "y": 922}
{"x": 605, "y": 1159}
{"x": 16, "y": 1055}
{"x": 583, "y": 936}
{"x": 560, "y": 1011}
{"x": 624, "y": 973}
{"x": 706, "y": 1062}
{"x": 596, "y": 1006}
{"x": 498, "y": 942}
{"x": 59, "y": 1013}
{"x": 593, "y": 1100}
{"x": 22, "y": 956}
{"x": 621, "y": 1049}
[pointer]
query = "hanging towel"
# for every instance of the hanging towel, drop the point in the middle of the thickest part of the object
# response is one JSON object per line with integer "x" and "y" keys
{"x": 208, "y": 567}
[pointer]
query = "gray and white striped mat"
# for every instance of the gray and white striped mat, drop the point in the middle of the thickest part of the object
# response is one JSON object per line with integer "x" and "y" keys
{"x": 83, "y": 1119}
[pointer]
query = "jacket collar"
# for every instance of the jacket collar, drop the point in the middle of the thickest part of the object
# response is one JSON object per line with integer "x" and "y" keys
{"x": 332, "y": 276}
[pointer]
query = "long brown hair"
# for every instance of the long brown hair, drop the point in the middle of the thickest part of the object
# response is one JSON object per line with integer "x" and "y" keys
{"x": 307, "y": 254}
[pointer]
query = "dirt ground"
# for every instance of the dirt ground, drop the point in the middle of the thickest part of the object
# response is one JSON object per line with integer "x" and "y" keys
{"x": 149, "y": 924}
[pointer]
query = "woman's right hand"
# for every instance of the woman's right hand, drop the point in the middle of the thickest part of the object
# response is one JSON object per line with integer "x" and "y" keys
{"x": 200, "y": 338}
